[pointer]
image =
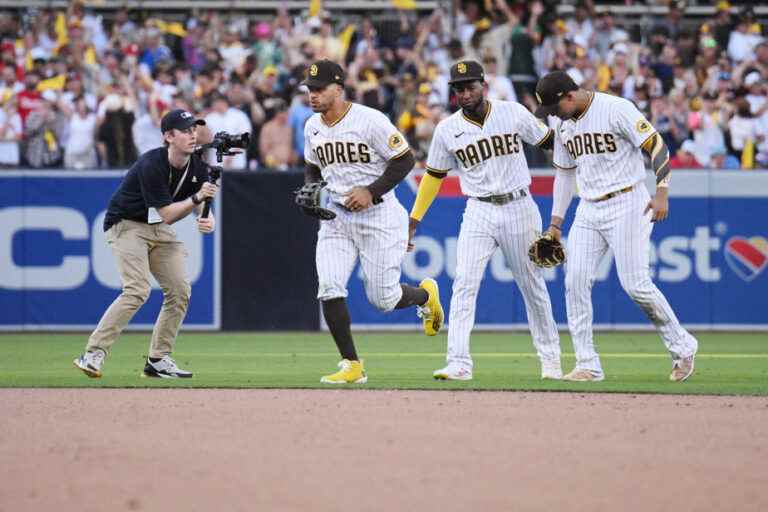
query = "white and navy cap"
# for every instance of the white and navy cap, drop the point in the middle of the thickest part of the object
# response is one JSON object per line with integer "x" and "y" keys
{"x": 178, "y": 120}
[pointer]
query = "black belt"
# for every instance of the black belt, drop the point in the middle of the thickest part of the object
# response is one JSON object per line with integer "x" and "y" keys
{"x": 503, "y": 198}
{"x": 612, "y": 194}
{"x": 376, "y": 200}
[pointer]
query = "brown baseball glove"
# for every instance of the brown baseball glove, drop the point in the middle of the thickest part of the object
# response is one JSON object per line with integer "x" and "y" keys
{"x": 546, "y": 251}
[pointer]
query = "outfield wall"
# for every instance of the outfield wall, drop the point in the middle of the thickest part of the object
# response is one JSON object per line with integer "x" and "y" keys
{"x": 257, "y": 271}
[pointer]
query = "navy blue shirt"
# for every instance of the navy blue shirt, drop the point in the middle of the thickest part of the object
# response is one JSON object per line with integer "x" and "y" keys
{"x": 150, "y": 183}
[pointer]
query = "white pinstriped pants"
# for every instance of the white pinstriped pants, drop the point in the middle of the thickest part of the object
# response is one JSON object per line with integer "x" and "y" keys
{"x": 513, "y": 227}
{"x": 379, "y": 236}
{"x": 617, "y": 223}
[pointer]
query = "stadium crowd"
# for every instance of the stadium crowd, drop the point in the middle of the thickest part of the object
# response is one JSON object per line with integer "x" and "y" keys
{"x": 81, "y": 91}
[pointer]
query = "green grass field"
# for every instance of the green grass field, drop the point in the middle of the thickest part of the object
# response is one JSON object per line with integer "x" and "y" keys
{"x": 727, "y": 363}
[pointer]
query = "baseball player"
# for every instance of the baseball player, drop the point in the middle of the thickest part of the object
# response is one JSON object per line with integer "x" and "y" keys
{"x": 163, "y": 186}
{"x": 484, "y": 143}
{"x": 599, "y": 145}
{"x": 361, "y": 156}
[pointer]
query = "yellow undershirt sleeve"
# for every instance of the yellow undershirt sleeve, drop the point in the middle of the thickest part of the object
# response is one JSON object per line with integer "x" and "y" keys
{"x": 428, "y": 189}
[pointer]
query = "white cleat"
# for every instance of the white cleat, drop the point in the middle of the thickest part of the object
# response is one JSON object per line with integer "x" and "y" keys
{"x": 682, "y": 369}
{"x": 578, "y": 375}
{"x": 551, "y": 370}
{"x": 452, "y": 372}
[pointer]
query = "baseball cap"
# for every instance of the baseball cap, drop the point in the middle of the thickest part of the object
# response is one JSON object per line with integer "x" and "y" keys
{"x": 322, "y": 73}
{"x": 752, "y": 78}
{"x": 466, "y": 71}
{"x": 178, "y": 120}
{"x": 550, "y": 89}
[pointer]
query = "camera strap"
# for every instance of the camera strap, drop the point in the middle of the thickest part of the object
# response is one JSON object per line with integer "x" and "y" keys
{"x": 181, "y": 181}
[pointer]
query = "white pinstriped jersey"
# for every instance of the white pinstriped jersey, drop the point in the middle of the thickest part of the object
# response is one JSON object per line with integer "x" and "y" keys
{"x": 603, "y": 146}
{"x": 489, "y": 158}
{"x": 354, "y": 151}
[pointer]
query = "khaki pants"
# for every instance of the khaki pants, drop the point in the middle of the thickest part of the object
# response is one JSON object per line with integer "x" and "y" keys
{"x": 140, "y": 250}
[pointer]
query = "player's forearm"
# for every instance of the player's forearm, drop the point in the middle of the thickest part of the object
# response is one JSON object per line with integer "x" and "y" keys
{"x": 562, "y": 195}
{"x": 312, "y": 173}
{"x": 659, "y": 153}
{"x": 396, "y": 171}
{"x": 428, "y": 189}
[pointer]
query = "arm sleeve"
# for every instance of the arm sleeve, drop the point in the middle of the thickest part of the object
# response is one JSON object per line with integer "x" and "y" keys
{"x": 154, "y": 184}
{"x": 659, "y": 153}
{"x": 561, "y": 158}
{"x": 532, "y": 130}
{"x": 309, "y": 155}
{"x": 439, "y": 159}
{"x": 630, "y": 123}
{"x": 397, "y": 169}
{"x": 312, "y": 173}
{"x": 428, "y": 189}
{"x": 385, "y": 139}
{"x": 565, "y": 183}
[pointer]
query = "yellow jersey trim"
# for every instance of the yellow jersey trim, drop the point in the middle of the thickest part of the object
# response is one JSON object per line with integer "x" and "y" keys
{"x": 342, "y": 116}
{"x": 591, "y": 99}
{"x": 488, "y": 113}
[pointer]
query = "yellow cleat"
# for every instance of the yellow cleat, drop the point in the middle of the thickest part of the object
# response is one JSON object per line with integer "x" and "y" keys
{"x": 431, "y": 312}
{"x": 350, "y": 372}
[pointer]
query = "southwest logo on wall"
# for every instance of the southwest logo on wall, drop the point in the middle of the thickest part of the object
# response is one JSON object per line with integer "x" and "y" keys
{"x": 747, "y": 257}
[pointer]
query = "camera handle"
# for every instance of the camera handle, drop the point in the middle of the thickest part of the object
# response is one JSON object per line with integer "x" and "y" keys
{"x": 214, "y": 173}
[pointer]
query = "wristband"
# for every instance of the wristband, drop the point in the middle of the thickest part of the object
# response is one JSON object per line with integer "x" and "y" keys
{"x": 556, "y": 227}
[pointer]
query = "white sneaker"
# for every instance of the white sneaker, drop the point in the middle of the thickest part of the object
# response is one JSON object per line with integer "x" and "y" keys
{"x": 579, "y": 375}
{"x": 165, "y": 368}
{"x": 90, "y": 363}
{"x": 551, "y": 370}
{"x": 453, "y": 372}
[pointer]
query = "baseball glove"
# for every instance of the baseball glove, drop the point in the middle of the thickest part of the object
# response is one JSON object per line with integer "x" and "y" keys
{"x": 311, "y": 198}
{"x": 546, "y": 251}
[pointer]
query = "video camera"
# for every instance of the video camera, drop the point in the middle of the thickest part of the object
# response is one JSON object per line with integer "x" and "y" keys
{"x": 223, "y": 143}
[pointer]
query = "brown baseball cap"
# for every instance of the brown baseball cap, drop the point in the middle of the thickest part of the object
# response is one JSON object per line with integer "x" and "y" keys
{"x": 550, "y": 89}
{"x": 323, "y": 72}
{"x": 466, "y": 71}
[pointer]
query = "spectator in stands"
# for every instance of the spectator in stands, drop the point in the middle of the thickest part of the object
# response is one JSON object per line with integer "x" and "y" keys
{"x": 722, "y": 160}
{"x": 276, "y": 141}
{"x": 499, "y": 86}
{"x": 10, "y": 134}
{"x": 155, "y": 51}
{"x": 44, "y": 133}
{"x": 684, "y": 158}
{"x": 115, "y": 118}
{"x": 265, "y": 49}
{"x": 79, "y": 149}
{"x": 29, "y": 99}
{"x": 744, "y": 38}
{"x": 742, "y": 128}
{"x": 146, "y": 128}
{"x": 297, "y": 118}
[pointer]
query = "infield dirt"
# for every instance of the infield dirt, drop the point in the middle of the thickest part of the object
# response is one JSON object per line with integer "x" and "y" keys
{"x": 332, "y": 450}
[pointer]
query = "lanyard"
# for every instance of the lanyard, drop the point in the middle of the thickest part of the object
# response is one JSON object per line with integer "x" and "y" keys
{"x": 181, "y": 181}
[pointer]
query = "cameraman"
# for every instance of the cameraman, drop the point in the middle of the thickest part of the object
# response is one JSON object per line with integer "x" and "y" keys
{"x": 162, "y": 187}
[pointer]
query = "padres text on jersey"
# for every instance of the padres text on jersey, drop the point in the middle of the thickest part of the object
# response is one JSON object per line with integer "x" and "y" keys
{"x": 603, "y": 145}
{"x": 489, "y": 157}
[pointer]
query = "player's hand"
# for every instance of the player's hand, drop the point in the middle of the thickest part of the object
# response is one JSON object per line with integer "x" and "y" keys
{"x": 659, "y": 204}
{"x": 358, "y": 199}
{"x": 208, "y": 190}
{"x": 554, "y": 232}
{"x": 207, "y": 224}
{"x": 412, "y": 225}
